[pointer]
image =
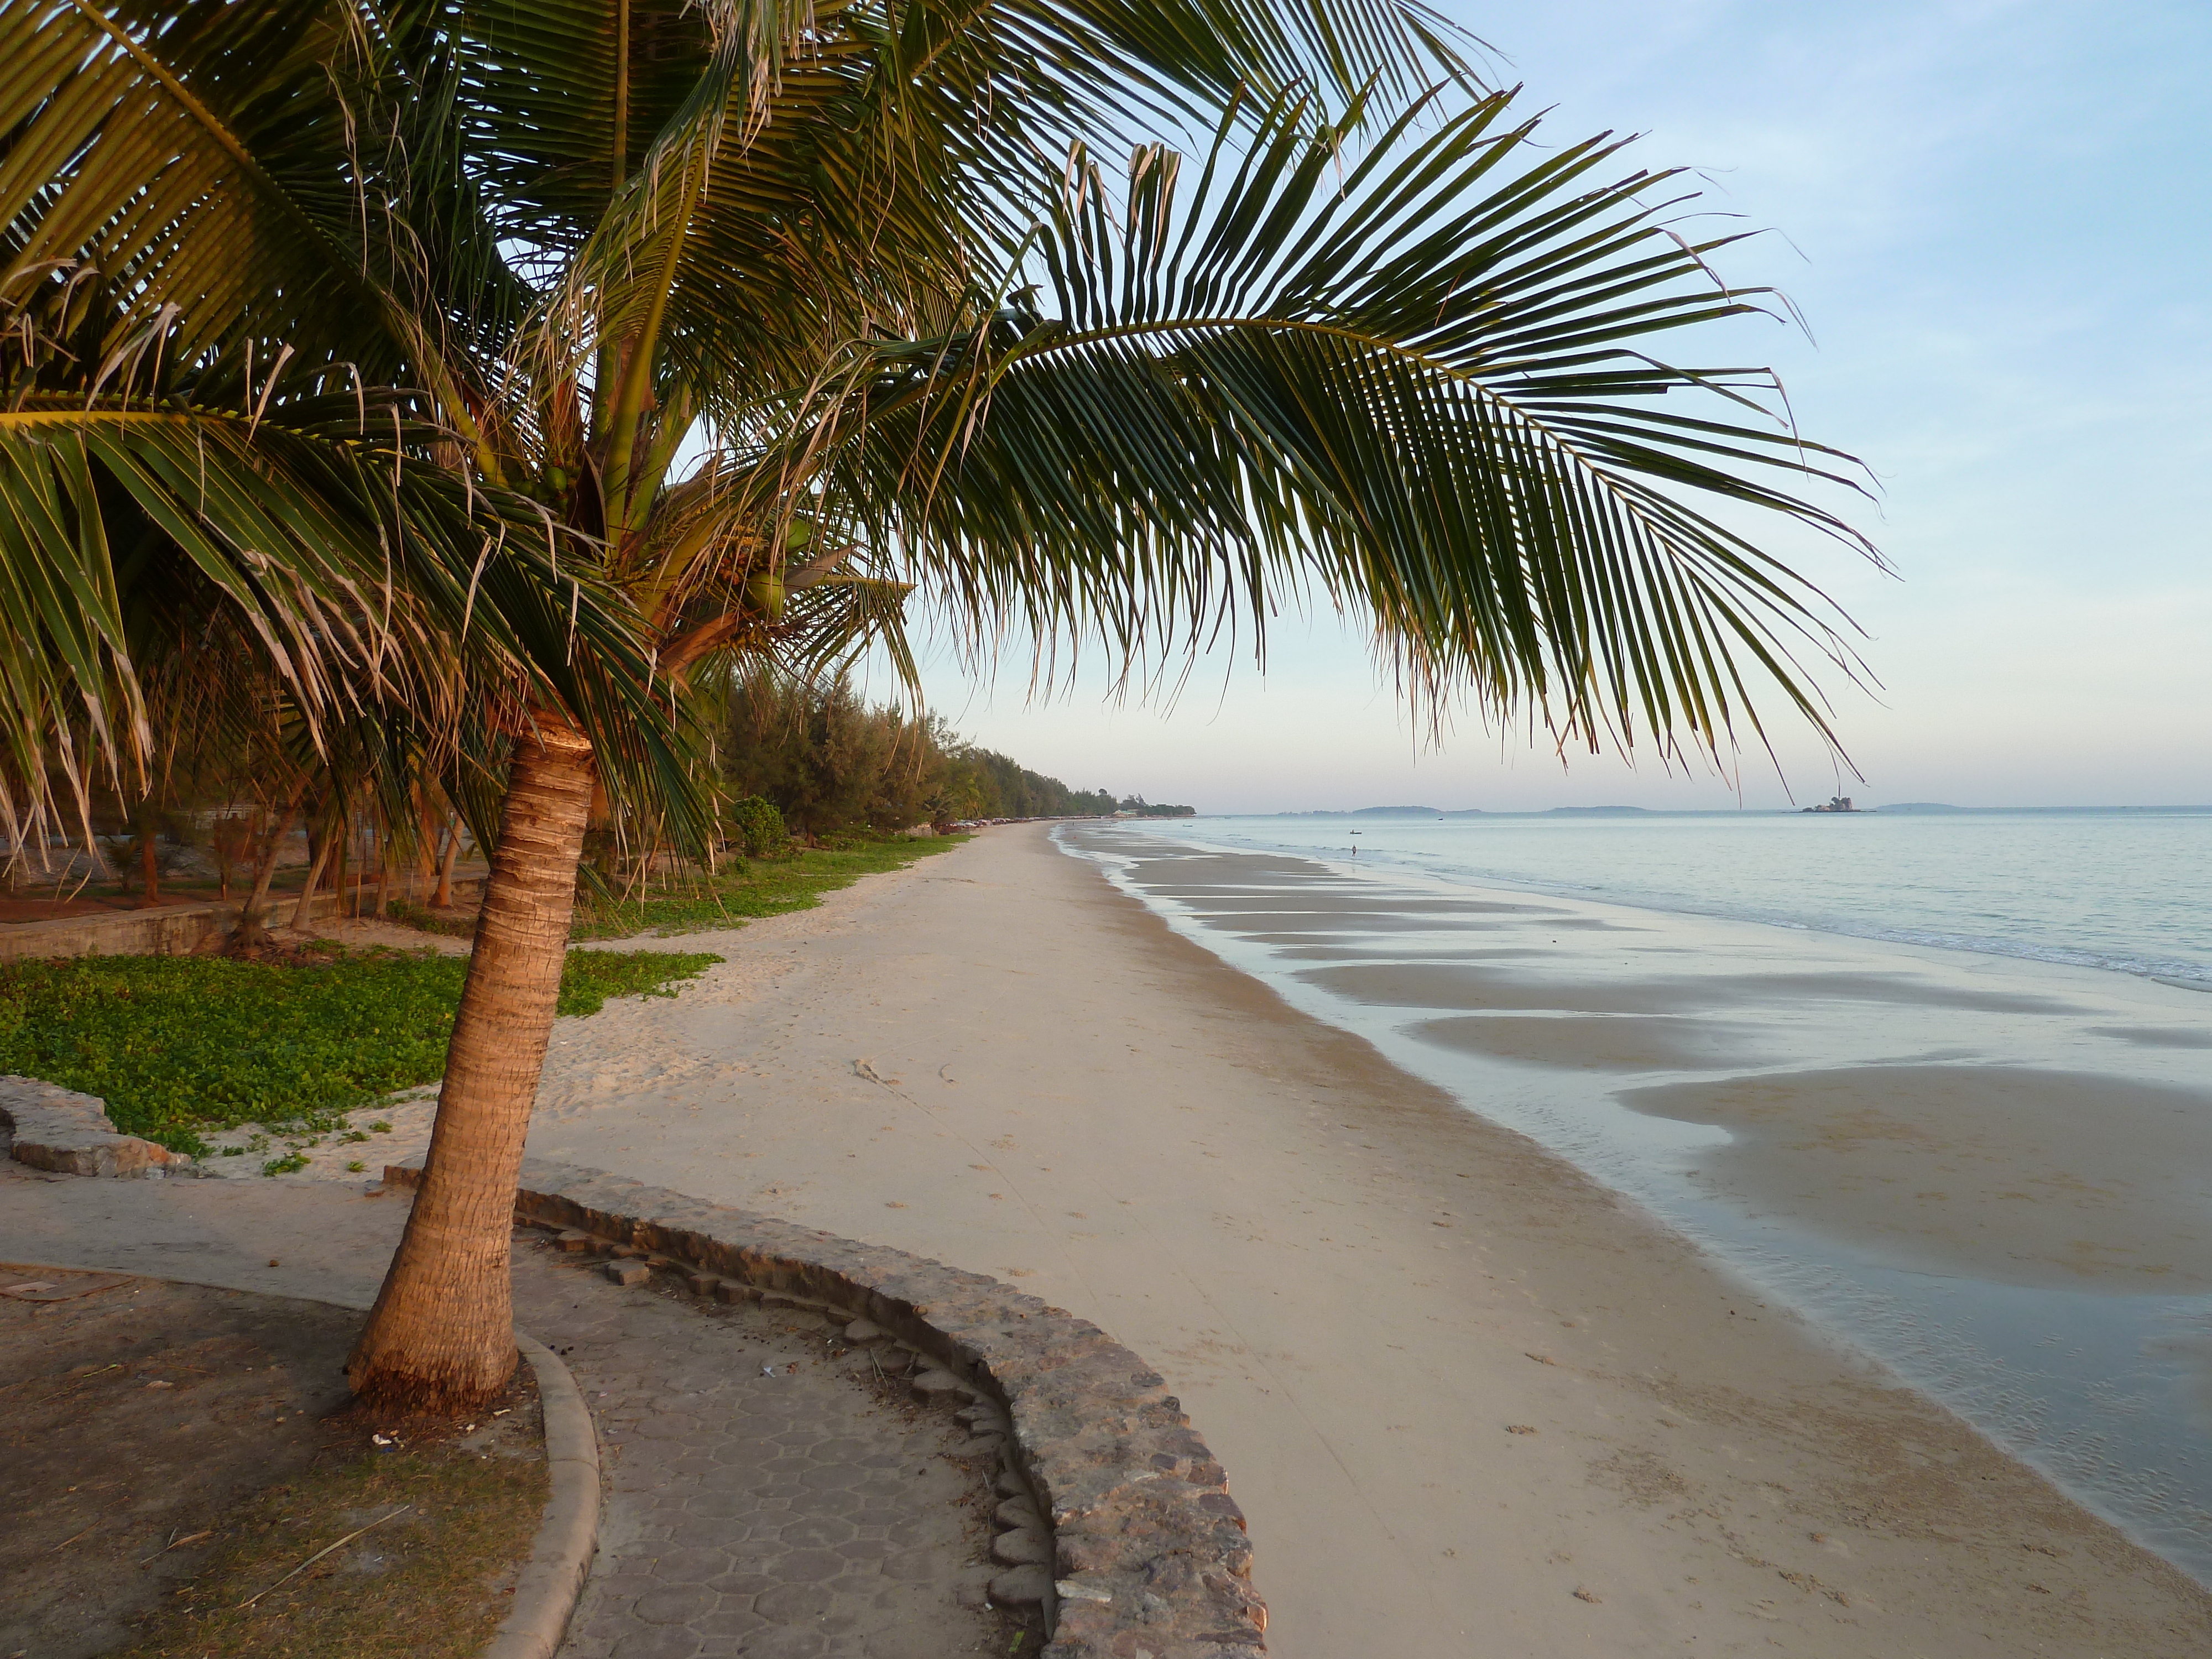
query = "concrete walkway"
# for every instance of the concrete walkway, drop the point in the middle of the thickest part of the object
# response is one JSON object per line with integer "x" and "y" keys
{"x": 765, "y": 1494}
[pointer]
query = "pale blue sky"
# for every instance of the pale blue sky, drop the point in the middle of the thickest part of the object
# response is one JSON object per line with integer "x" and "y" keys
{"x": 1996, "y": 218}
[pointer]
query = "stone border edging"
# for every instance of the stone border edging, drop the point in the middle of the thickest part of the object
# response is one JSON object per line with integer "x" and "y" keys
{"x": 1149, "y": 1549}
{"x": 64, "y": 1133}
{"x": 568, "y": 1534}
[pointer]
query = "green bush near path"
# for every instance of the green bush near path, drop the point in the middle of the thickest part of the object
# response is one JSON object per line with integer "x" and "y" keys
{"x": 694, "y": 901}
{"x": 177, "y": 1045}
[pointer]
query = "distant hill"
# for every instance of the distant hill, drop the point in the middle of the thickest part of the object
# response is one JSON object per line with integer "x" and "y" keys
{"x": 1387, "y": 813}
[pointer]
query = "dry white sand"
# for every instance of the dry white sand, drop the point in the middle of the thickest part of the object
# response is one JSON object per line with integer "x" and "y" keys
{"x": 1470, "y": 1401}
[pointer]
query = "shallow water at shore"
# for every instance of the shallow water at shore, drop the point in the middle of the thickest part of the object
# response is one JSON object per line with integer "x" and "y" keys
{"x": 1992, "y": 1174}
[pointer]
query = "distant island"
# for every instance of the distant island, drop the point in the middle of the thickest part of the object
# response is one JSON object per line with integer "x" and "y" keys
{"x": 1136, "y": 806}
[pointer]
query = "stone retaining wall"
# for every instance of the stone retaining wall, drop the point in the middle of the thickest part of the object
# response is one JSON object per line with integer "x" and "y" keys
{"x": 1151, "y": 1559}
{"x": 51, "y": 1127}
{"x": 168, "y": 930}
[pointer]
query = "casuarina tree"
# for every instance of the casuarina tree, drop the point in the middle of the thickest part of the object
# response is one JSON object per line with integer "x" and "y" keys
{"x": 536, "y": 355}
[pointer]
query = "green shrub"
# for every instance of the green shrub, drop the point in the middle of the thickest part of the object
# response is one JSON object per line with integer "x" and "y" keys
{"x": 758, "y": 826}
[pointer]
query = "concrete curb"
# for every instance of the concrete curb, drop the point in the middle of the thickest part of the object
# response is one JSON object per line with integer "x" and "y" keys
{"x": 568, "y": 1535}
{"x": 1149, "y": 1550}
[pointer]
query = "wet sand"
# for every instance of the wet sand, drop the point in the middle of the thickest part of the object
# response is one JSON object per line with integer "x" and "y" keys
{"x": 1470, "y": 1400}
{"x": 2012, "y": 1176}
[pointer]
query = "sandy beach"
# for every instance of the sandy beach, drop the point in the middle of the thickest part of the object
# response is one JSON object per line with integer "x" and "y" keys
{"x": 1470, "y": 1399}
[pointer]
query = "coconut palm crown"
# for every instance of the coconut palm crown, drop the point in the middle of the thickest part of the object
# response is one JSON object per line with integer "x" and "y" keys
{"x": 505, "y": 363}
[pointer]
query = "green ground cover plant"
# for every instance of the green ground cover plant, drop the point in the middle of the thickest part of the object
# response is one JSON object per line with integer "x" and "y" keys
{"x": 692, "y": 902}
{"x": 179, "y": 1045}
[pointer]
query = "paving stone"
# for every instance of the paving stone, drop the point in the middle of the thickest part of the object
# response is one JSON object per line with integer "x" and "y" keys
{"x": 750, "y": 1515}
{"x": 657, "y": 1642}
{"x": 782, "y": 1642}
{"x": 730, "y": 1622}
{"x": 629, "y": 1272}
{"x": 810, "y": 1567}
{"x": 817, "y": 1531}
{"x": 688, "y": 1566}
{"x": 677, "y": 1605}
{"x": 796, "y": 1604}
{"x": 913, "y": 1566}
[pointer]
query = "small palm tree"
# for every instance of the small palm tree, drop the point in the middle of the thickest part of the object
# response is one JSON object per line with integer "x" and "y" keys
{"x": 505, "y": 364}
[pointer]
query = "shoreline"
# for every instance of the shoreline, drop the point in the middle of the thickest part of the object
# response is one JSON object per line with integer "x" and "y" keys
{"x": 1365, "y": 1292}
{"x": 1959, "y": 1165}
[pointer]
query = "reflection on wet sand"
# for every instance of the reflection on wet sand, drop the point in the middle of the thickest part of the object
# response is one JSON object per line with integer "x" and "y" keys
{"x": 1452, "y": 985}
{"x": 2158, "y": 1036}
{"x": 2066, "y": 1179}
{"x": 1619, "y": 1043}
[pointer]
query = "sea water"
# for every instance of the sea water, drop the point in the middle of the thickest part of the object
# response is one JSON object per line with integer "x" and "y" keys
{"x": 2129, "y": 891}
{"x": 2109, "y": 1391}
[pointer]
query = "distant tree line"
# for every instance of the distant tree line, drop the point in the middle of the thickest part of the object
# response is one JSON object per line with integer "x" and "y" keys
{"x": 832, "y": 762}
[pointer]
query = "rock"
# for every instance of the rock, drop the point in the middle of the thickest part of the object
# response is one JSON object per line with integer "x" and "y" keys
{"x": 627, "y": 1273}
{"x": 933, "y": 1385}
{"x": 864, "y": 1330}
{"x": 1022, "y": 1587}
{"x": 734, "y": 1289}
{"x": 572, "y": 1243}
{"x": 983, "y": 1417}
{"x": 64, "y": 1132}
{"x": 1022, "y": 1547}
{"x": 1017, "y": 1512}
{"x": 701, "y": 1283}
{"x": 1010, "y": 1485}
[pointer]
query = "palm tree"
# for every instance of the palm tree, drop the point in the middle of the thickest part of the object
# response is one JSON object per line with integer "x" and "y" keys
{"x": 536, "y": 355}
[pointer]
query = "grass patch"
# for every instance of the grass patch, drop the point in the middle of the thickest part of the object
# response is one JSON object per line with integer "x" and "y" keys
{"x": 179, "y": 1044}
{"x": 751, "y": 889}
{"x": 432, "y": 1583}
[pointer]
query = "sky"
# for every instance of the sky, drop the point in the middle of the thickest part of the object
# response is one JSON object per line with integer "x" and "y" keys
{"x": 1993, "y": 215}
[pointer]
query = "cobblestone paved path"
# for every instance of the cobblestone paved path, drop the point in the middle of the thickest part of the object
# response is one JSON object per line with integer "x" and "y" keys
{"x": 765, "y": 1495}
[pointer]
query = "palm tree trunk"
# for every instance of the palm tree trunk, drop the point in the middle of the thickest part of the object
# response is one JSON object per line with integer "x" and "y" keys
{"x": 444, "y": 901}
{"x": 304, "y": 911}
{"x": 264, "y": 872}
{"x": 386, "y": 847}
{"x": 442, "y": 1335}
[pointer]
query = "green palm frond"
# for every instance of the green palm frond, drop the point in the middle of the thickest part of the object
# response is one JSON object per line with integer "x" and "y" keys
{"x": 1428, "y": 388}
{"x": 365, "y": 574}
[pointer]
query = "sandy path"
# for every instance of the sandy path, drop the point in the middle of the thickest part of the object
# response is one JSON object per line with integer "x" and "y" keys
{"x": 1467, "y": 1397}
